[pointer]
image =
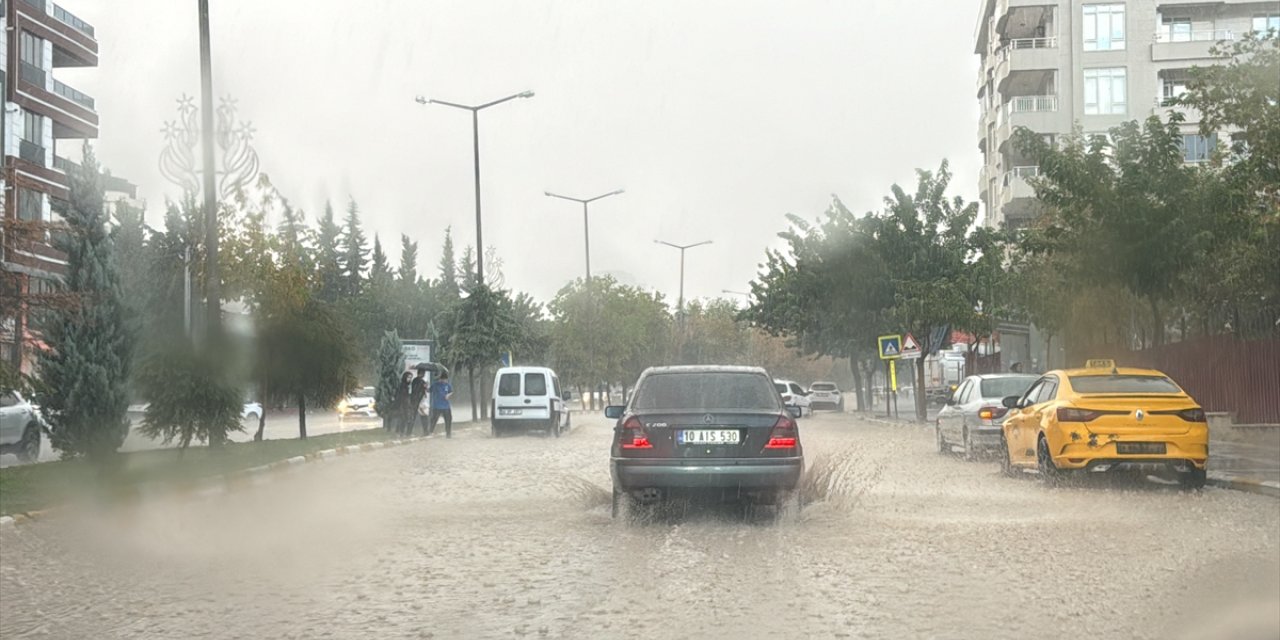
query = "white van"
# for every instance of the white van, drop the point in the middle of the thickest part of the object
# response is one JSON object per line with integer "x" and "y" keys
{"x": 528, "y": 397}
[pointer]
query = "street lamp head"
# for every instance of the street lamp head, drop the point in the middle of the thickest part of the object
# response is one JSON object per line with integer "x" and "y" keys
{"x": 420, "y": 100}
{"x": 525, "y": 94}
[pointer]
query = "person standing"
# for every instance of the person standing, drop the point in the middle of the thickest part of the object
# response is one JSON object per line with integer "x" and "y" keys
{"x": 403, "y": 411}
{"x": 418, "y": 391}
{"x": 441, "y": 392}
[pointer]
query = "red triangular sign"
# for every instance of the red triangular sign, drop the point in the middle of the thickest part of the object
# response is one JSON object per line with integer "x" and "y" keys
{"x": 909, "y": 344}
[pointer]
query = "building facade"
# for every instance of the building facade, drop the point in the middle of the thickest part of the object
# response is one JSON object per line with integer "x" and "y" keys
{"x": 1052, "y": 65}
{"x": 41, "y": 117}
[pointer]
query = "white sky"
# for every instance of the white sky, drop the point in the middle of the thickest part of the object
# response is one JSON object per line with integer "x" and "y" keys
{"x": 717, "y": 117}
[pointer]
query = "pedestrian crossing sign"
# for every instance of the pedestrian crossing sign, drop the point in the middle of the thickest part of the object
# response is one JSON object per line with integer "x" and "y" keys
{"x": 890, "y": 347}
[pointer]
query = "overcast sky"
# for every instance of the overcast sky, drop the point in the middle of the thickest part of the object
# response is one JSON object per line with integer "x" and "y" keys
{"x": 717, "y": 117}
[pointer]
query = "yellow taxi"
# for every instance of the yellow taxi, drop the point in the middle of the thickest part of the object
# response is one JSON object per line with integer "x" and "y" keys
{"x": 1103, "y": 418}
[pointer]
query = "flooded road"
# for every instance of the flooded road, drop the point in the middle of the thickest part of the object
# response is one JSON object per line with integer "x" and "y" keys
{"x": 511, "y": 537}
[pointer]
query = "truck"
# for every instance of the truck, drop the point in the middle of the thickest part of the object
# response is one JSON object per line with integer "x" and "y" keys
{"x": 943, "y": 372}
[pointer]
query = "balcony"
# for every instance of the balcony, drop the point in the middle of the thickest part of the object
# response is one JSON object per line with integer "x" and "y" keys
{"x": 1188, "y": 45}
{"x": 1036, "y": 55}
{"x": 1015, "y": 184}
{"x": 71, "y": 94}
{"x": 64, "y": 165}
{"x": 32, "y": 74}
{"x": 1038, "y": 113}
{"x": 70, "y": 19}
{"x": 31, "y": 152}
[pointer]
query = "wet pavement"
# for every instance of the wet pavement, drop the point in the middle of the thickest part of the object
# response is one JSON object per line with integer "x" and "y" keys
{"x": 477, "y": 537}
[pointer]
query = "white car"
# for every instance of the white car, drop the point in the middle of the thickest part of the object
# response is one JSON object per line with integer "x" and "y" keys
{"x": 359, "y": 402}
{"x": 251, "y": 411}
{"x": 528, "y": 398}
{"x": 827, "y": 395}
{"x": 794, "y": 395}
{"x": 19, "y": 427}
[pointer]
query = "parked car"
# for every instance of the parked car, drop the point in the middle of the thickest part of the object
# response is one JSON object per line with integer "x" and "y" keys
{"x": 251, "y": 411}
{"x": 1102, "y": 419}
{"x": 794, "y": 395}
{"x": 974, "y": 413}
{"x": 19, "y": 427}
{"x": 529, "y": 398}
{"x": 711, "y": 429}
{"x": 359, "y": 402}
{"x": 826, "y": 395}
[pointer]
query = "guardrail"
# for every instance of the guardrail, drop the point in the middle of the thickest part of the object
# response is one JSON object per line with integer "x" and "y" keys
{"x": 1025, "y": 104}
{"x": 31, "y": 73}
{"x": 70, "y": 19}
{"x": 1020, "y": 173}
{"x": 64, "y": 165}
{"x": 82, "y": 99}
{"x": 1210, "y": 35}
{"x": 31, "y": 152}
{"x": 1050, "y": 42}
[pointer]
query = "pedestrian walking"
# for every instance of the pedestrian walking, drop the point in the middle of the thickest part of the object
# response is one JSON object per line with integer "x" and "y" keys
{"x": 441, "y": 392}
{"x": 417, "y": 391}
{"x": 403, "y": 411}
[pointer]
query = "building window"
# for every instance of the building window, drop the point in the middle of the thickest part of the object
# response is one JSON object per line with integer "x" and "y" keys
{"x": 30, "y": 205}
{"x": 1171, "y": 89}
{"x": 1198, "y": 148}
{"x": 1264, "y": 22}
{"x": 1103, "y": 27}
{"x": 1175, "y": 30}
{"x": 1104, "y": 92}
{"x": 33, "y": 127}
{"x": 32, "y": 50}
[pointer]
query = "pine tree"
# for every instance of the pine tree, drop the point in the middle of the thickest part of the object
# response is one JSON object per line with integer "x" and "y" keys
{"x": 448, "y": 266}
{"x": 380, "y": 271}
{"x": 87, "y": 365}
{"x": 354, "y": 255}
{"x": 390, "y": 367}
{"x": 465, "y": 277}
{"x": 329, "y": 260}
{"x": 129, "y": 236}
{"x": 408, "y": 261}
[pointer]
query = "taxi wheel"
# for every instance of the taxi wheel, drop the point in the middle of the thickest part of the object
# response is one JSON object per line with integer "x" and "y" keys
{"x": 1193, "y": 479}
{"x": 1050, "y": 474}
{"x": 1006, "y": 466}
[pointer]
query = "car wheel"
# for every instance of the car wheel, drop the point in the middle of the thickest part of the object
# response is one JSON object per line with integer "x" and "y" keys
{"x": 943, "y": 447}
{"x": 29, "y": 446}
{"x": 616, "y": 507}
{"x": 495, "y": 430}
{"x": 1050, "y": 474}
{"x": 254, "y": 417}
{"x": 968, "y": 444}
{"x": 1006, "y": 463}
{"x": 1193, "y": 479}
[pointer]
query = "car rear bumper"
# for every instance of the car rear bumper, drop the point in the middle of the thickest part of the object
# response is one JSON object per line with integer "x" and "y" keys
{"x": 521, "y": 423}
{"x": 769, "y": 473}
{"x": 1180, "y": 449}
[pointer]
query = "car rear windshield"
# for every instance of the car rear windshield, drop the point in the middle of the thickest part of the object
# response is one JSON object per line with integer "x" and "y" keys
{"x": 823, "y": 386}
{"x": 1006, "y": 386}
{"x": 535, "y": 384}
{"x": 1123, "y": 384}
{"x": 509, "y": 384}
{"x": 704, "y": 391}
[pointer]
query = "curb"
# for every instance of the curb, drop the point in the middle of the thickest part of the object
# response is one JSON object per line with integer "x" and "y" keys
{"x": 214, "y": 486}
{"x": 1244, "y": 483}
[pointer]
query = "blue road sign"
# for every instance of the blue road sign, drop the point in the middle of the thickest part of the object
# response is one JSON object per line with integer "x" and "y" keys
{"x": 890, "y": 347}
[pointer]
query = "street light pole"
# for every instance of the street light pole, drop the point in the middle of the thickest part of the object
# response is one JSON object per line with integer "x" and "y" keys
{"x": 213, "y": 294}
{"x": 475, "y": 150}
{"x": 586, "y": 229}
{"x": 682, "y": 248}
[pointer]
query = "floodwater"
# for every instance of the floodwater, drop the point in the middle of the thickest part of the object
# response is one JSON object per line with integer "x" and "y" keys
{"x": 478, "y": 537}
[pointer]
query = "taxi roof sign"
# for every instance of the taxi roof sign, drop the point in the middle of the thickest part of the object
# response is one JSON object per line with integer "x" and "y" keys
{"x": 1100, "y": 363}
{"x": 890, "y": 346}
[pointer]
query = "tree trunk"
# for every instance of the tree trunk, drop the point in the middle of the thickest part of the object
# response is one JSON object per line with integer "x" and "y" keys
{"x": 1157, "y": 322}
{"x": 302, "y": 417}
{"x": 1048, "y": 351}
{"x": 471, "y": 385}
{"x": 856, "y": 369}
{"x": 484, "y": 396}
{"x": 922, "y": 404}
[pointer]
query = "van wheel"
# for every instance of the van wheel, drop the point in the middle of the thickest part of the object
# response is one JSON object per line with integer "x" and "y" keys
{"x": 29, "y": 446}
{"x": 495, "y": 430}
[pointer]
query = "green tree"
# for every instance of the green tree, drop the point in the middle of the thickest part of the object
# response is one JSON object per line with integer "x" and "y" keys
{"x": 448, "y": 267}
{"x": 380, "y": 269}
{"x": 408, "y": 272}
{"x": 390, "y": 367}
{"x": 87, "y": 365}
{"x": 479, "y": 327}
{"x": 354, "y": 254}
{"x": 304, "y": 352}
{"x": 329, "y": 276}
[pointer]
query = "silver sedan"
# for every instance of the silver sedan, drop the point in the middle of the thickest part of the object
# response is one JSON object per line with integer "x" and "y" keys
{"x": 973, "y": 414}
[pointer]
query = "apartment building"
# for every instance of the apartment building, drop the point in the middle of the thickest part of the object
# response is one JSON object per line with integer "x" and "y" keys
{"x": 1050, "y": 65}
{"x": 42, "y": 115}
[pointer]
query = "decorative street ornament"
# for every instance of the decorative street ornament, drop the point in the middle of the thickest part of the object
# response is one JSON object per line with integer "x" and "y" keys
{"x": 237, "y": 164}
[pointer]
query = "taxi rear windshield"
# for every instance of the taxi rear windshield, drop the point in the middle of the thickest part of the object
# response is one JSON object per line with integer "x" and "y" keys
{"x": 1123, "y": 384}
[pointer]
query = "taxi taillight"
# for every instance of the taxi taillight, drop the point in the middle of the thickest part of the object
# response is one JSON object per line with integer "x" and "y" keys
{"x": 633, "y": 435}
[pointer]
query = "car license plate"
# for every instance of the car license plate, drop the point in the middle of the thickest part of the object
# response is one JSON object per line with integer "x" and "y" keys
{"x": 503, "y": 411}
{"x": 1140, "y": 447}
{"x": 708, "y": 436}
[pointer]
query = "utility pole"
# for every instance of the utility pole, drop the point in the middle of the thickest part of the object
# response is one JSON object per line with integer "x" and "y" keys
{"x": 475, "y": 150}
{"x": 213, "y": 293}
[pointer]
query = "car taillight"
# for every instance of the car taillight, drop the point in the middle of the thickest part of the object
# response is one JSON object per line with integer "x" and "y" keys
{"x": 785, "y": 434}
{"x": 1066, "y": 414}
{"x": 992, "y": 413}
{"x": 1193, "y": 415}
{"x": 633, "y": 435}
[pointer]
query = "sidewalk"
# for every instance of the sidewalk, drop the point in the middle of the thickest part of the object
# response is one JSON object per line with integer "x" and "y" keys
{"x": 1245, "y": 465}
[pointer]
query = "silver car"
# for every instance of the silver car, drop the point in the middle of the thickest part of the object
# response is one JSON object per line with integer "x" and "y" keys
{"x": 974, "y": 413}
{"x": 19, "y": 427}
